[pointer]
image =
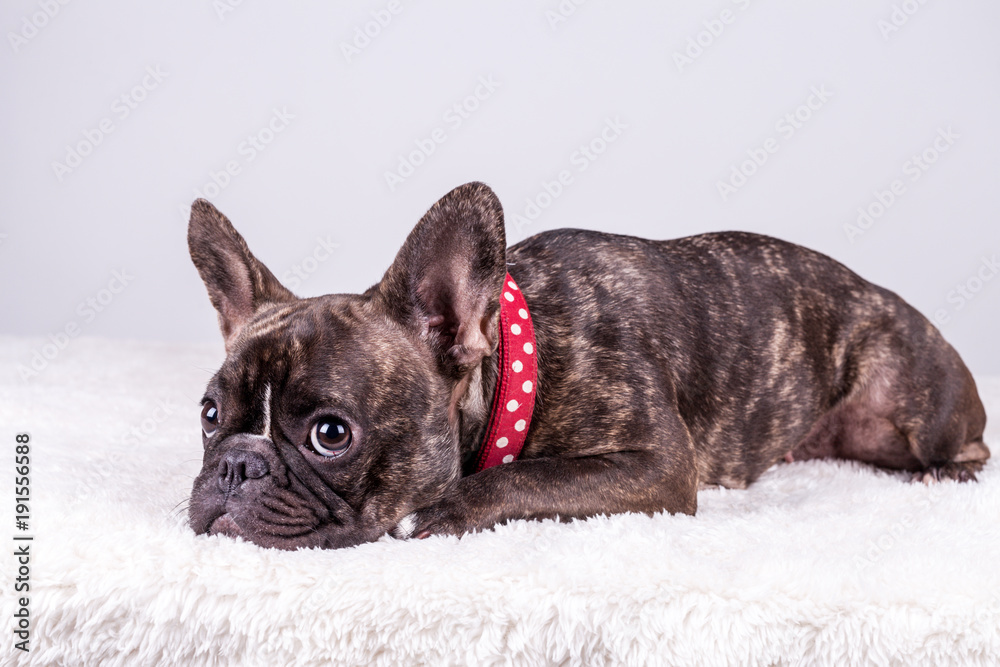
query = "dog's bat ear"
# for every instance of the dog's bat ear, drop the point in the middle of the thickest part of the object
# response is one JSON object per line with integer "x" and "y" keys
{"x": 446, "y": 280}
{"x": 238, "y": 283}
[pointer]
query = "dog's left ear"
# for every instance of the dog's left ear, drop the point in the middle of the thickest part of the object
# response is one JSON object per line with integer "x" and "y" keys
{"x": 238, "y": 283}
{"x": 446, "y": 279}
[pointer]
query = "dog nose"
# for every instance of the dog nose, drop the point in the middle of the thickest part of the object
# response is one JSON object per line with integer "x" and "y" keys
{"x": 239, "y": 465}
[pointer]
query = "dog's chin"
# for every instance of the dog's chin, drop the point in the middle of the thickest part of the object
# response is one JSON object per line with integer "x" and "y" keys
{"x": 225, "y": 525}
{"x": 234, "y": 523}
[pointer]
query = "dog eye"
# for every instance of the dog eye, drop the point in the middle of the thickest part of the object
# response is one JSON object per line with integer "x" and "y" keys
{"x": 330, "y": 437}
{"x": 209, "y": 418}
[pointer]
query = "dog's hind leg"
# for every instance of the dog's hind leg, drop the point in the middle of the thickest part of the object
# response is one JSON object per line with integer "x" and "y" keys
{"x": 946, "y": 431}
{"x": 923, "y": 418}
{"x": 852, "y": 430}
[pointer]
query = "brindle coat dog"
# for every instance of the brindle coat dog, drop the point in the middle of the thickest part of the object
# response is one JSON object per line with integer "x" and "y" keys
{"x": 664, "y": 366}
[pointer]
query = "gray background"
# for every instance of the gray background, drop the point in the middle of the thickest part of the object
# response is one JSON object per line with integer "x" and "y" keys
{"x": 226, "y": 66}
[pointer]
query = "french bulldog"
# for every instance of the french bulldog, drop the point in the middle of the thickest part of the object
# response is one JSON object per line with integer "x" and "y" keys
{"x": 662, "y": 367}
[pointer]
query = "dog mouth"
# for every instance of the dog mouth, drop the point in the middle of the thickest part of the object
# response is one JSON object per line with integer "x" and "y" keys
{"x": 225, "y": 525}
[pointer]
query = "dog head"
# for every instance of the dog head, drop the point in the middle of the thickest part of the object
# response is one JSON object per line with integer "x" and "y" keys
{"x": 334, "y": 417}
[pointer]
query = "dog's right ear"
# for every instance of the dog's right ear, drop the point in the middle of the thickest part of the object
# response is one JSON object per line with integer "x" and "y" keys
{"x": 446, "y": 279}
{"x": 238, "y": 283}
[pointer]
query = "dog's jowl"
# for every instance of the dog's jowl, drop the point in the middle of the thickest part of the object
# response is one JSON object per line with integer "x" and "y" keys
{"x": 644, "y": 369}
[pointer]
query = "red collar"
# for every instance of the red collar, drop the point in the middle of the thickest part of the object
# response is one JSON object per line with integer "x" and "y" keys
{"x": 517, "y": 376}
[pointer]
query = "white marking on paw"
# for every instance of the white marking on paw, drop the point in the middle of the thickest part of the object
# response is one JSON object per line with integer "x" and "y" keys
{"x": 405, "y": 527}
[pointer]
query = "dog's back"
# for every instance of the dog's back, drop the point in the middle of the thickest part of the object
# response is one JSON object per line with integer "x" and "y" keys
{"x": 764, "y": 348}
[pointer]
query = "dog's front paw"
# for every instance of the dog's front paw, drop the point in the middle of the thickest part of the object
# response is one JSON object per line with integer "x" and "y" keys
{"x": 440, "y": 519}
{"x": 404, "y": 529}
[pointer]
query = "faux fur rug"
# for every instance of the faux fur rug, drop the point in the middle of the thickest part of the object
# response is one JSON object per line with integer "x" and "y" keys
{"x": 821, "y": 563}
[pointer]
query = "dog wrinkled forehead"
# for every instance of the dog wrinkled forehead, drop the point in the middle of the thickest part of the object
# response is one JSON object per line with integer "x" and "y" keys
{"x": 335, "y": 346}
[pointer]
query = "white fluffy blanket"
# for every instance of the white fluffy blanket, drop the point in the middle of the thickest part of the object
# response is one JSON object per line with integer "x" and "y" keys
{"x": 822, "y": 563}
